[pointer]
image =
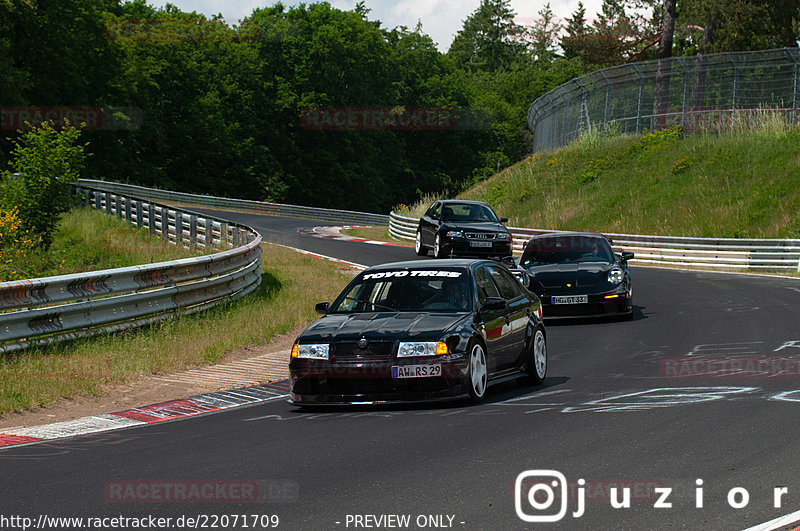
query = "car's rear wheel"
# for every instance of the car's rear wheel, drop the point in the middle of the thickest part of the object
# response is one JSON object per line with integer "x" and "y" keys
{"x": 478, "y": 373}
{"x": 536, "y": 366}
{"x": 418, "y": 247}
{"x": 438, "y": 248}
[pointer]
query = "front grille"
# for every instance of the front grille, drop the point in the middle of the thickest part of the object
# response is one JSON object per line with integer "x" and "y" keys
{"x": 480, "y": 235}
{"x": 380, "y": 386}
{"x": 349, "y": 350}
{"x": 573, "y": 310}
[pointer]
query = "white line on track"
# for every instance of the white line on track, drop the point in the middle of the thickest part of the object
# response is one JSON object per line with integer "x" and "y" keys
{"x": 777, "y": 523}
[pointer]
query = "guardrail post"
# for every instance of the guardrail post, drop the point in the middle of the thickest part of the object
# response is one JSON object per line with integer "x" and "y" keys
{"x": 127, "y": 203}
{"x": 118, "y": 206}
{"x": 164, "y": 224}
{"x": 151, "y": 219}
{"x": 87, "y": 197}
{"x": 139, "y": 221}
{"x": 223, "y": 234}
{"x": 192, "y": 230}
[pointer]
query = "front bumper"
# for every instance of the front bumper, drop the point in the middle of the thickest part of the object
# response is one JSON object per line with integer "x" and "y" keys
{"x": 466, "y": 247}
{"x": 598, "y": 306}
{"x": 322, "y": 382}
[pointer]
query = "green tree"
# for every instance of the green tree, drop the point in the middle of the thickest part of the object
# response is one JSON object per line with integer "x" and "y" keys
{"x": 44, "y": 163}
{"x": 489, "y": 38}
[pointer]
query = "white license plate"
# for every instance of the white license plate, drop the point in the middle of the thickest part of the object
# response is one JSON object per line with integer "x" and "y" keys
{"x": 480, "y": 244}
{"x": 416, "y": 371}
{"x": 570, "y": 299}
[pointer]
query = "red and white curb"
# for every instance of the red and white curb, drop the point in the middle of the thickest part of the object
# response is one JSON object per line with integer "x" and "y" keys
{"x": 171, "y": 410}
{"x": 334, "y": 233}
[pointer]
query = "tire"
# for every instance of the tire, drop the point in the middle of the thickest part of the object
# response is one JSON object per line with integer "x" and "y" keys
{"x": 536, "y": 366}
{"x": 478, "y": 372}
{"x": 418, "y": 247}
{"x": 438, "y": 249}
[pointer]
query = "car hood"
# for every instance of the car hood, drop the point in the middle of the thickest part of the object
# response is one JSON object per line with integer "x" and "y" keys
{"x": 474, "y": 226}
{"x": 382, "y": 326}
{"x": 578, "y": 274}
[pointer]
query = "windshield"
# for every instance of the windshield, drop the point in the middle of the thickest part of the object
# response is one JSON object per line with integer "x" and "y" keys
{"x": 407, "y": 291}
{"x": 563, "y": 249}
{"x": 467, "y": 212}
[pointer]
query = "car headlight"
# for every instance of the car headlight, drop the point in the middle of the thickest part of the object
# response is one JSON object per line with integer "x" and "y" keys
{"x": 502, "y": 236}
{"x": 615, "y": 275}
{"x": 455, "y": 234}
{"x": 314, "y": 351}
{"x": 421, "y": 348}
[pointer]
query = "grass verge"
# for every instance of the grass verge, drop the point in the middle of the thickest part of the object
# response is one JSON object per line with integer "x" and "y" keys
{"x": 291, "y": 284}
{"x": 89, "y": 240}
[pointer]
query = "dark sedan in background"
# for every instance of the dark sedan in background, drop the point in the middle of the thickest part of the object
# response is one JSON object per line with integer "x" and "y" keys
{"x": 462, "y": 228}
{"x": 410, "y": 331}
{"x": 577, "y": 274}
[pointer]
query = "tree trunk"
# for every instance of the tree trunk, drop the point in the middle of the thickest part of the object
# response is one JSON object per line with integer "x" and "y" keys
{"x": 697, "y": 98}
{"x": 664, "y": 55}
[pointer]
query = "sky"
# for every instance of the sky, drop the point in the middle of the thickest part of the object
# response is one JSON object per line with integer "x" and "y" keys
{"x": 441, "y": 19}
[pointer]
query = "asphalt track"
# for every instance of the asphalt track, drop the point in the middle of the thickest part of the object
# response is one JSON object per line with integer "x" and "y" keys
{"x": 613, "y": 411}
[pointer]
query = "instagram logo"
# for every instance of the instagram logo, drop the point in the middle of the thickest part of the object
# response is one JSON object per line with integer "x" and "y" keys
{"x": 535, "y": 494}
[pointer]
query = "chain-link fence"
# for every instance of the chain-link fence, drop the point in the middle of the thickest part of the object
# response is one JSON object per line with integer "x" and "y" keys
{"x": 703, "y": 92}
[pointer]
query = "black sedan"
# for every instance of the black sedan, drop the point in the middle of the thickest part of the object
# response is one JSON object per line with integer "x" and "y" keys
{"x": 411, "y": 331}
{"x": 462, "y": 228}
{"x": 577, "y": 274}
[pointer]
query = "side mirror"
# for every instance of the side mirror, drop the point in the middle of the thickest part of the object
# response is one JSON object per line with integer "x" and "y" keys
{"x": 523, "y": 277}
{"x": 503, "y": 220}
{"x": 627, "y": 255}
{"x": 494, "y": 303}
{"x": 509, "y": 261}
{"x": 322, "y": 307}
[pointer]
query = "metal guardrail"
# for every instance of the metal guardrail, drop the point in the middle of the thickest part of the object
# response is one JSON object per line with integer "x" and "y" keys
{"x": 703, "y": 92}
{"x": 45, "y": 310}
{"x": 257, "y": 207}
{"x": 712, "y": 253}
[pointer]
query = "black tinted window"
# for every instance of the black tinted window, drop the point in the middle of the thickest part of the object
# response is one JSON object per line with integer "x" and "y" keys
{"x": 567, "y": 248}
{"x": 506, "y": 284}
{"x": 486, "y": 287}
{"x": 412, "y": 290}
{"x": 467, "y": 212}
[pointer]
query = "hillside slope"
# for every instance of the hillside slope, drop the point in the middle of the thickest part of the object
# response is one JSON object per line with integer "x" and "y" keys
{"x": 738, "y": 184}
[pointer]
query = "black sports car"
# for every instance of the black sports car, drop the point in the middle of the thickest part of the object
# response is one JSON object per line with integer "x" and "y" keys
{"x": 462, "y": 228}
{"x": 577, "y": 274}
{"x": 410, "y": 331}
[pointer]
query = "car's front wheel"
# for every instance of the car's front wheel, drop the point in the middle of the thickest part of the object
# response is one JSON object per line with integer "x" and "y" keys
{"x": 418, "y": 247}
{"x": 536, "y": 366}
{"x": 478, "y": 373}
{"x": 438, "y": 248}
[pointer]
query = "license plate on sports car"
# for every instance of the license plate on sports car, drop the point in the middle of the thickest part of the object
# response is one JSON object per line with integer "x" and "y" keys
{"x": 480, "y": 244}
{"x": 416, "y": 371}
{"x": 570, "y": 299}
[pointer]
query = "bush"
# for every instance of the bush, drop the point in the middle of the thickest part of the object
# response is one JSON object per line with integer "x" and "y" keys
{"x": 44, "y": 163}
{"x": 17, "y": 247}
